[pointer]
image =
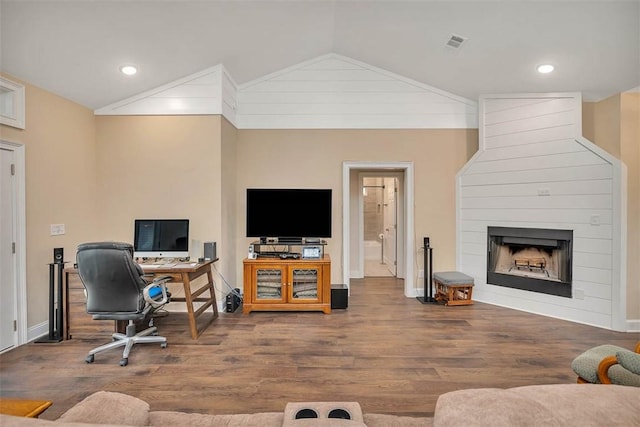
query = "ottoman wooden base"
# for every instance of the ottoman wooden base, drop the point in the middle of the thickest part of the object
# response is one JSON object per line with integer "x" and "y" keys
{"x": 453, "y": 288}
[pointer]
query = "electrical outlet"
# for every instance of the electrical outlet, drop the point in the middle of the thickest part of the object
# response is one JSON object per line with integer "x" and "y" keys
{"x": 543, "y": 192}
{"x": 595, "y": 219}
{"x": 57, "y": 229}
{"x": 420, "y": 274}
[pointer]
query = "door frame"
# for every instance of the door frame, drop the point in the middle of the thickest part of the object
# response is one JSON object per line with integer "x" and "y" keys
{"x": 398, "y": 226}
{"x": 20, "y": 259}
{"x": 399, "y": 177}
{"x": 402, "y": 167}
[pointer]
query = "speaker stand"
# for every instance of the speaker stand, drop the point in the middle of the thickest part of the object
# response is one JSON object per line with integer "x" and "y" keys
{"x": 428, "y": 277}
{"x": 55, "y": 315}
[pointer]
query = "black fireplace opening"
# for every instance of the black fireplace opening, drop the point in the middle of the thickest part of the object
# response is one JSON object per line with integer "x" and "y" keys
{"x": 531, "y": 259}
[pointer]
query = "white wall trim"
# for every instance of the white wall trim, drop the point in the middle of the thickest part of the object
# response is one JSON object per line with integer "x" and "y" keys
{"x": 633, "y": 325}
{"x": 168, "y": 100}
{"x": 358, "y": 64}
{"x": 360, "y": 265}
{"x": 228, "y": 96}
{"x": 12, "y": 103}
{"x": 619, "y": 271}
{"x": 21, "y": 237}
{"x": 409, "y": 249}
{"x": 577, "y": 116}
{"x": 339, "y": 93}
{"x": 38, "y": 331}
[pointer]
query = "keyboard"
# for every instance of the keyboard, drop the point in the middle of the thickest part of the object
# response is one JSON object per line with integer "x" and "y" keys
{"x": 158, "y": 265}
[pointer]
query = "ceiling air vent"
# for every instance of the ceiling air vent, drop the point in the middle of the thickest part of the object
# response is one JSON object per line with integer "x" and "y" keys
{"x": 455, "y": 41}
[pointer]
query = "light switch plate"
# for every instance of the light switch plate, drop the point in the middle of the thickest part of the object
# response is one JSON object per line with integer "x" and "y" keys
{"x": 57, "y": 229}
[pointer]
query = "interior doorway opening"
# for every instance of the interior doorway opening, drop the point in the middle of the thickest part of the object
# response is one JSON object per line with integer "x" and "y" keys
{"x": 379, "y": 225}
{"x": 353, "y": 234}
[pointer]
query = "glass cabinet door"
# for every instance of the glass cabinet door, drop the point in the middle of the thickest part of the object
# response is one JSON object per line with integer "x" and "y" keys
{"x": 305, "y": 283}
{"x": 269, "y": 283}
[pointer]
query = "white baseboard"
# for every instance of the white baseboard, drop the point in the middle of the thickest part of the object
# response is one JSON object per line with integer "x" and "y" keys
{"x": 633, "y": 325}
{"x": 413, "y": 293}
{"x": 37, "y": 331}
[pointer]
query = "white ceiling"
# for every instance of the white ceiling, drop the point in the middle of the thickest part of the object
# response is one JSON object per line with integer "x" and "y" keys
{"x": 74, "y": 48}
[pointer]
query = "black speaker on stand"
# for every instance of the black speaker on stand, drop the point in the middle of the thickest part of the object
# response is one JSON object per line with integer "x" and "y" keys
{"x": 428, "y": 274}
{"x": 55, "y": 309}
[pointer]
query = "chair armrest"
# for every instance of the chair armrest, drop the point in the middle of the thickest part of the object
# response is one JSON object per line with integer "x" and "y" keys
{"x": 603, "y": 369}
{"x": 158, "y": 282}
{"x": 629, "y": 361}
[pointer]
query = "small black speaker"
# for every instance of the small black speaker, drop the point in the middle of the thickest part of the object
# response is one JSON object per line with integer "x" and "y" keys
{"x": 426, "y": 242}
{"x": 339, "y": 296}
{"x": 210, "y": 251}
{"x": 58, "y": 255}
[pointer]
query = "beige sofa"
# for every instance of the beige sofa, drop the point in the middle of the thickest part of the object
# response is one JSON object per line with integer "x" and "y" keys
{"x": 542, "y": 405}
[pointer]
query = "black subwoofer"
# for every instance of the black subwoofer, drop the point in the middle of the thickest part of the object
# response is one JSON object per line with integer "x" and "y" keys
{"x": 339, "y": 296}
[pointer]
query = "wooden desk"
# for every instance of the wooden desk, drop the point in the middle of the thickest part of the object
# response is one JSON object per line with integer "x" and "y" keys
{"x": 23, "y": 408}
{"x": 79, "y": 324}
{"x": 185, "y": 274}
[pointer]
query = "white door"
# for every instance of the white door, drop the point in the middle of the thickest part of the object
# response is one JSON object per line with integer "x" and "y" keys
{"x": 8, "y": 285}
{"x": 390, "y": 224}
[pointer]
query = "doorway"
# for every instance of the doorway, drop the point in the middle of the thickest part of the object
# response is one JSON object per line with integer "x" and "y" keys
{"x": 13, "y": 315}
{"x": 380, "y": 226}
{"x": 352, "y": 267}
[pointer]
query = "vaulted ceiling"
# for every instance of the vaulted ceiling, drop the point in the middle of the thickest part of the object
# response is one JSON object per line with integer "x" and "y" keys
{"x": 74, "y": 48}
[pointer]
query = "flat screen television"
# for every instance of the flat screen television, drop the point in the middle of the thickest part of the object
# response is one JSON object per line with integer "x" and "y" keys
{"x": 288, "y": 214}
{"x": 161, "y": 238}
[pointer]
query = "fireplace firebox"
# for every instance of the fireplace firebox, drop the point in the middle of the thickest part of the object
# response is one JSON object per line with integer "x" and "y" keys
{"x": 531, "y": 259}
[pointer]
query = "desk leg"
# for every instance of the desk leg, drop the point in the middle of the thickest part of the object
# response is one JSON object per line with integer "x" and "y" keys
{"x": 189, "y": 301}
{"x": 213, "y": 293}
{"x": 191, "y": 297}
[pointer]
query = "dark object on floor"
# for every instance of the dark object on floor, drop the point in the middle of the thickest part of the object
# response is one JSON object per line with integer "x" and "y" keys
{"x": 339, "y": 296}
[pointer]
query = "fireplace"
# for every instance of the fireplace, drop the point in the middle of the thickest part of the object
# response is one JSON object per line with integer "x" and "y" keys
{"x": 531, "y": 259}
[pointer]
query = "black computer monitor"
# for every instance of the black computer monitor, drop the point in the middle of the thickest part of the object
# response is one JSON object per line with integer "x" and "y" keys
{"x": 161, "y": 238}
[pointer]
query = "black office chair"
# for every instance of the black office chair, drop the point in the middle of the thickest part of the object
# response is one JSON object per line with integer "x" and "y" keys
{"x": 116, "y": 290}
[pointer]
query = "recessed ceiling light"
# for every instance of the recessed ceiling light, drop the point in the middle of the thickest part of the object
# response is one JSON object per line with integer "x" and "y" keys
{"x": 128, "y": 70}
{"x": 545, "y": 68}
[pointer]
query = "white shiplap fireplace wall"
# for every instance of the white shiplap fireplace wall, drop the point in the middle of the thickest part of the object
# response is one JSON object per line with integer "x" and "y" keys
{"x": 535, "y": 170}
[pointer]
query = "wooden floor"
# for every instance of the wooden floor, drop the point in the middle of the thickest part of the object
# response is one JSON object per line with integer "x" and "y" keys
{"x": 390, "y": 353}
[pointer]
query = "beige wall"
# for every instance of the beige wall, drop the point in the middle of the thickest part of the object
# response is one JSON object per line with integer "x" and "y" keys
{"x": 313, "y": 159}
{"x": 601, "y": 123}
{"x": 614, "y": 125}
{"x": 60, "y": 152}
{"x": 160, "y": 167}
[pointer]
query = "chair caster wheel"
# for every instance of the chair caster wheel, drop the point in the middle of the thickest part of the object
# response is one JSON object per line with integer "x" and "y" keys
{"x": 124, "y": 361}
{"x": 89, "y": 358}
{"x": 163, "y": 345}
